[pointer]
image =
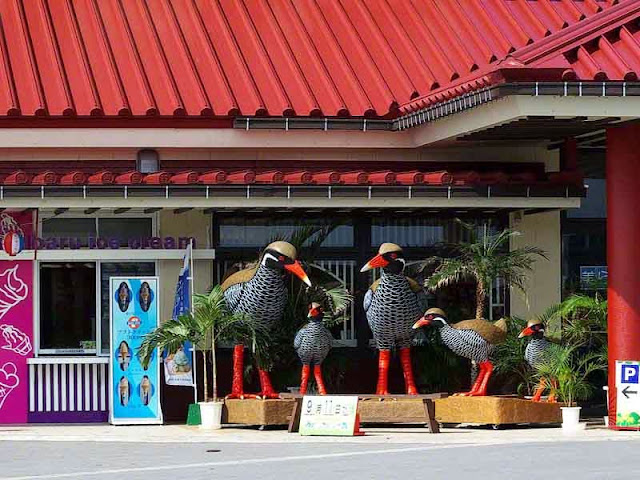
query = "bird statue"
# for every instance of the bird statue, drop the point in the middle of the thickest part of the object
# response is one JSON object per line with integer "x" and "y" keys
{"x": 393, "y": 304}
{"x": 473, "y": 339}
{"x": 260, "y": 293}
{"x": 535, "y": 353}
{"x": 312, "y": 344}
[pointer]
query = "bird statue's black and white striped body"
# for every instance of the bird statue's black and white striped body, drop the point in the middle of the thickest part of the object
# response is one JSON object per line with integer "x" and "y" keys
{"x": 536, "y": 350}
{"x": 312, "y": 344}
{"x": 260, "y": 294}
{"x": 392, "y": 305}
{"x": 535, "y": 354}
{"x": 262, "y": 299}
{"x": 473, "y": 339}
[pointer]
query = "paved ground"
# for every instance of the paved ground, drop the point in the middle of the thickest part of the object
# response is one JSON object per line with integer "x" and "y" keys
{"x": 102, "y": 452}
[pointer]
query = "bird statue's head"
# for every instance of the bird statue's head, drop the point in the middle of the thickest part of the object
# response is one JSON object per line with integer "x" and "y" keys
{"x": 316, "y": 312}
{"x": 390, "y": 258}
{"x": 433, "y": 316}
{"x": 282, "y": 256}
{"x": 535, "y": 329}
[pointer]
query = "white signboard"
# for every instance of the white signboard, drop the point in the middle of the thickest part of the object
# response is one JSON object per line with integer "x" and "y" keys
{"x": 329, "y": 415}
{"x": 628, "y": 393}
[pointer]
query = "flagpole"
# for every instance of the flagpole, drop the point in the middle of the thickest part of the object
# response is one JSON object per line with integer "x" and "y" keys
{"x": 194, "y": 357}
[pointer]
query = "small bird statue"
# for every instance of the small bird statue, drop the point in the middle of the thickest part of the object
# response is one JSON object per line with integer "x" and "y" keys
{"x": 312, "y": 343}
{"x": 472, "y": 339}
{"x": 261, "y": 294}
{"x": 535, "y": 353}
{"x": 393, "y": 304}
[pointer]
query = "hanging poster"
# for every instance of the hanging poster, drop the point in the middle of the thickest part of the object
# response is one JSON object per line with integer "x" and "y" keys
{"x": 134, "y": 394}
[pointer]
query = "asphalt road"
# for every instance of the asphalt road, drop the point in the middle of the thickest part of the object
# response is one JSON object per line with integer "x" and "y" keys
{"x": 131, "y": 461}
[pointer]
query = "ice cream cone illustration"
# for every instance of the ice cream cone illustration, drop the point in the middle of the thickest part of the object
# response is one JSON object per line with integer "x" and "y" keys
{"x": 145, "y": 390}
{"x": 16, "y": 340}
{"x": 12, "y": 290}
{"x": 123, "y": 391}
{"x": 124, "y": 356}
{"x": 8, "y": 381}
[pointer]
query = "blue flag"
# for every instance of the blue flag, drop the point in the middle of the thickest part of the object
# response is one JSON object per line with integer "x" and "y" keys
{"x": 178, "y": 367}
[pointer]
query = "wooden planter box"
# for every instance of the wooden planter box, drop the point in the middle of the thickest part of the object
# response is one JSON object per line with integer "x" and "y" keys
{"x": 258, "y": 412}
{"x": 495, "y": 411}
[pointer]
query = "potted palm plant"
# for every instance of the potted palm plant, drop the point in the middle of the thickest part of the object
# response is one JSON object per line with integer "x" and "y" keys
{"x": 483, "y": 259}
{"x": 567, "y": 369}
{"x": 210, "y": 323}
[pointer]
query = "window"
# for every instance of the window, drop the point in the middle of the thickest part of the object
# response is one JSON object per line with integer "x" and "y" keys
{"x": 61, "y": 232}
{"x": 68, "y": 307}
{"x": 148, "y": 161}
{"x": 409, "y": 232}
{"x": 78, "y": 229}
{"x": 124, "y": 229}
{"x": 258, "y": 232}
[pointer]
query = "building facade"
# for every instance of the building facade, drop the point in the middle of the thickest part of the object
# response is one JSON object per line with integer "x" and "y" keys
{"x": 131, "y": 127}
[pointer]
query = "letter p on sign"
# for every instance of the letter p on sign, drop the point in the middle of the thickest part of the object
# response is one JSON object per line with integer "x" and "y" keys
{"x": 630, "y": 374}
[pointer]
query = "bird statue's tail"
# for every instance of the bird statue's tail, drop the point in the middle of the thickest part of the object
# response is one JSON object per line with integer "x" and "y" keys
{"x": 501, "y": 325}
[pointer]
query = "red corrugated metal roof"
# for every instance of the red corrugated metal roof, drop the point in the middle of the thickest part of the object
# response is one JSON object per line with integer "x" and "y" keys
{"x": 275, "y": 57}
{"x": 604, "y": 46}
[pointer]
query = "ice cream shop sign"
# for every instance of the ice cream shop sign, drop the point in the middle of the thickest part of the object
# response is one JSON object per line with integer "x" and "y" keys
{"x": 107, "y": 243}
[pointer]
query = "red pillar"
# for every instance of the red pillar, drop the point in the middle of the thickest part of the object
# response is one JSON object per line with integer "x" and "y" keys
{"x": 623, "y": 249}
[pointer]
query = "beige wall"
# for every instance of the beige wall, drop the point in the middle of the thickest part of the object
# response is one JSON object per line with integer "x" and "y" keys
{"x": 543, "y": 231}
{"x": 190, "y": 224}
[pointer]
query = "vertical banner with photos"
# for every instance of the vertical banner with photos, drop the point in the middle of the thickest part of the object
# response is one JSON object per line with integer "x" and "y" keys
{"x": 178, "y": 366}
{"x": 135, "y": 394}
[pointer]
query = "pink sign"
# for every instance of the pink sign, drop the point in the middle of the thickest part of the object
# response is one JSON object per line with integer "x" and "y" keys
{"x": 16, "y": 333}
{"x": 16, "y": 326}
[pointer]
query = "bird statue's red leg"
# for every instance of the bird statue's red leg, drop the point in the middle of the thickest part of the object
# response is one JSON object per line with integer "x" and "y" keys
{"x": 542, "y": 384}
{"x": 317, "y": 372}
{"x": 237, "y": 388}
{"x": 487, "y": 371}
{"x": 383, "y": 372}
{"x": 476, "y": 384}
{"x": 265, "y": 383}
{"x": 304, "y": 380}
{"x": 405, "y": 360}
{"x": 552, "y": 393}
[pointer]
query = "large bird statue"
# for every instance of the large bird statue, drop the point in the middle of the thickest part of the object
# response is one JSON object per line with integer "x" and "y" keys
{"x": 473, "y": 339}
{"x": 312, "y": 343}
{"x": 393, "y": 304}
{"x": 535, "y": 353}
{"x": 261, "y": 294}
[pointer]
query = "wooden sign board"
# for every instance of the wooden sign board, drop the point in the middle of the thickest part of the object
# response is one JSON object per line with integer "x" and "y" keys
{"x": 329, "y": 415}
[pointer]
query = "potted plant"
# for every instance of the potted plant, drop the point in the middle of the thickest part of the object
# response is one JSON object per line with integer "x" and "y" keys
{"x": 211, "y": 322}
{"x": 483, "y": 259}
{"x": 567, "y": 369}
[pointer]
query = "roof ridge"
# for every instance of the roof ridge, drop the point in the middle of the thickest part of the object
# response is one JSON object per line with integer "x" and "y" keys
{"x": 579, "y": 33}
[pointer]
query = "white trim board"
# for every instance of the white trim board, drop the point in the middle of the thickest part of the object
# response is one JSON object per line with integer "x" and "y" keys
{"x": 295, "y": 203}
{"x": 514, "y": 107}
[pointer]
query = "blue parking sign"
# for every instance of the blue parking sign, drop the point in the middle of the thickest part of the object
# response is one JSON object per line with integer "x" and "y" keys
{"x": 630, "y": 373}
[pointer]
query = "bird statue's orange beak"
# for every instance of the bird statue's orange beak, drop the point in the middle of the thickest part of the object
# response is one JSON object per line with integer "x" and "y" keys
{"x": 526, "y": 332}
{"x": 298, "y": 271}
{"x": 423, "y": 322}
{"x": 376, "y": 262}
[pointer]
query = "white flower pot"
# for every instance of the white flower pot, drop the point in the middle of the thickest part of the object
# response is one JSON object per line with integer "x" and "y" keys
{"x": 570, "y": 419}
{"x": 211, "y": 415}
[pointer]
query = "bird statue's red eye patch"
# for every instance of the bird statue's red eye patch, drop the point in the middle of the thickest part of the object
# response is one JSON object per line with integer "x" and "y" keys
{"x": 281, "y": 258}
{"x": 394, "y": 255}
